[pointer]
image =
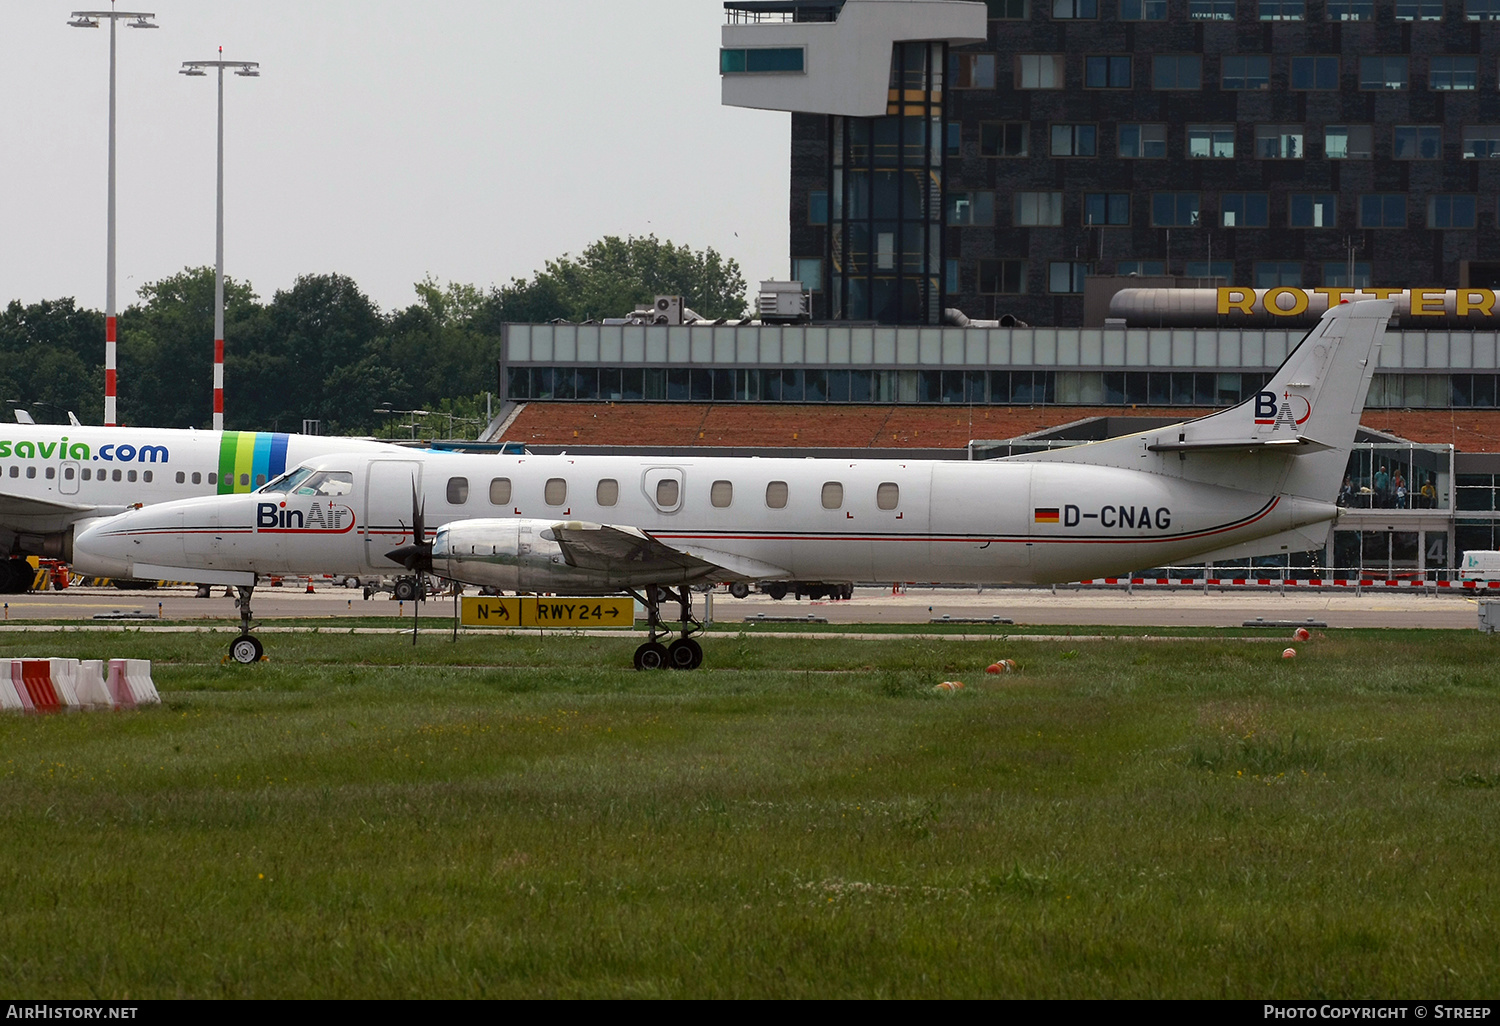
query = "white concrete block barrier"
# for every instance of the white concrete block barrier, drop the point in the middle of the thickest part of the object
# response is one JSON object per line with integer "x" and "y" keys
{"x": 52, "y": 685}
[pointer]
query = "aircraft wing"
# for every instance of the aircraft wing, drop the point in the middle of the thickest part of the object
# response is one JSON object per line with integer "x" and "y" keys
{"x": 608, "y": 549}
{"x": 12, "y": 506}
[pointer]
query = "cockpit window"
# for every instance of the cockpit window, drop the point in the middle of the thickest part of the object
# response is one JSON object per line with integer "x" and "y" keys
{"x": 306, "y": 481}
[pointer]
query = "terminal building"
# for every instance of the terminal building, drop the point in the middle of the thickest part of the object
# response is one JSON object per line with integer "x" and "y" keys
{"x": 1020, "y": 163}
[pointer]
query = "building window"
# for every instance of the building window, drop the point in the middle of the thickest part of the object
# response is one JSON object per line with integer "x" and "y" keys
{"x": 1008, "y": 10}
{"x": 971, "y": 208}
{"x": 1314, "y": 210}
{"x": 1310, "y": 72}
{"x": 1282, "y": 10}
{"x": 1039, "y": 71}
{"x": 1004, "y": 139}
{"x": 1482, "y": 141}
{"x": 1278, "y": 142}
{"x": 1347, "y": 142}
{"x": 1141, "y": 267}
{"x": 1002, "y": 277}
{"x": 1075, "y": 8}
{"x": 1177, "y": 71}
{"x": 1419, "y": 10}
{"x": 1351, "y": 10}
{"x": 1454, "y": 74}
{"x": 973, "y": 71}
{"x": 1075, "y": 140}
{"x": 1418, "y": 142}
{"x": 1174, "y": 209}
{"x": 1382, "y": 210}
{"x": 1106, "y": 72}
{"x": 1451, "y": 212}
{"x": 1038, "y": 208}
{"x": 1143, "y": 10}
{"x": 1210, "y": 269}
{"x": 817, "y": 208}
{"x": 1270, "y": 274}
{"x": 809, "y": 271}
{"x": 1336, "y": 275}
{"x": 1252, "y": 72}
{"x": 1106, "y": 208}
{"x": 1065, "y": 277}
{"x": 1210, "y": 141}
{"x": 761, "y": 61}
{"x": 1382, "y": 72}
{"x": 1482, "y": 10}
{"x": 1211, "y": 10}
{"x": 955, "y": 138}
{"x": 1245, "y": 210}
{"x": 950, "y": 277}
{"x": 1143, "y": 141}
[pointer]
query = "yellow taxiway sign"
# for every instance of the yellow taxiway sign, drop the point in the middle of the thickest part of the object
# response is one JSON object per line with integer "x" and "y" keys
{"x": 548, "y": 612}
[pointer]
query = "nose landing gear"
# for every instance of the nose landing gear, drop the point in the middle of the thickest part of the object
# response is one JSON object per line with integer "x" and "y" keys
{"x": 682, "y": 654}
{"x": 245, "y": 648}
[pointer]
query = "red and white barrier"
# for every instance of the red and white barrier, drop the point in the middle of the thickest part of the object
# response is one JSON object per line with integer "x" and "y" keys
{"x": 52, "y": 685}
{"x": 1277, "y": 582}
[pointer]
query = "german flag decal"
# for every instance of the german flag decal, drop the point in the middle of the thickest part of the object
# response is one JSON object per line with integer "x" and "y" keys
{"x": 1048, "y": 515}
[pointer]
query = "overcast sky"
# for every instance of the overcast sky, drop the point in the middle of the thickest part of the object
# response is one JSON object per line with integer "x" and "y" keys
{"x": 470, "y": 140}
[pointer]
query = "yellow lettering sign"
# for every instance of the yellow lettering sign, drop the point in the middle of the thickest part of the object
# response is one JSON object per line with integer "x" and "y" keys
{"x": 1242, "y": 300}
{"x": 547, "y": 612}
{"x": 1484, "y": 304}
{"x": 1273, "y": 305}
{"x": 1427, "y": 302}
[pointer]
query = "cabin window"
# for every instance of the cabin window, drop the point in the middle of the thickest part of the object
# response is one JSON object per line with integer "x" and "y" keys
{"x": 776, "y": 495}
{"x": 87, "y": 474}
{"x": 213, "y": 478}
{"x": 67, "y": 473}
{"x": 608, "y": 492}
{"x": 458, "y": 491}
{"x": 888, "y": 495}
{"x": 116, "y": 475}
{"x": 31, "y": 472}
{"x": 244, "y": 480}
{"x": 666, "y": 492}
{"x": 556, "y": 492}
{"x": 260, "y": 479}
{"x": 198, "y": 478}
{"x": 500, "y": 491}
{"x": 130, "y": 475}
{"x": 833, "y": 495}
{"x": 721, "y": 494}
{"x": 51, "y": 473}
{"x": 181, "y": 477}
{"x": 146, "y": 476}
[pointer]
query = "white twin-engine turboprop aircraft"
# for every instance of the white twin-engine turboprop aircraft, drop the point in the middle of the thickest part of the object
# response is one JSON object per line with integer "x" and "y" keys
{"x": 1260, "y": 477}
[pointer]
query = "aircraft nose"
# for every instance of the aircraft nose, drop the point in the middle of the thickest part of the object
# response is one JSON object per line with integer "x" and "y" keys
{"x": 100, "y": 549}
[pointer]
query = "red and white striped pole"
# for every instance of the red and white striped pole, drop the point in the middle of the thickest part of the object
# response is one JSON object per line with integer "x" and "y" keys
{"x": 245, "y": 69}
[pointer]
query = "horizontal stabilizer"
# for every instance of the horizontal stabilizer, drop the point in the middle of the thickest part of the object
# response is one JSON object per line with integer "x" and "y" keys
{"x": 1299, "y": 446}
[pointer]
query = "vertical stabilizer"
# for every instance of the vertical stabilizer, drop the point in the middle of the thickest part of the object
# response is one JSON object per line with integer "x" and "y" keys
{"x": 1292, "y": 437}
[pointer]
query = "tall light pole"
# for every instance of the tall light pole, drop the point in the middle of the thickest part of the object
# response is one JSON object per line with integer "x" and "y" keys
{"x": 195, "y": 69}
{"x": 91, "y": 19}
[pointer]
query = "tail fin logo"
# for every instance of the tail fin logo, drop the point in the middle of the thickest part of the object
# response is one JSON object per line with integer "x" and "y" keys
{"x": 1269, "y": 412}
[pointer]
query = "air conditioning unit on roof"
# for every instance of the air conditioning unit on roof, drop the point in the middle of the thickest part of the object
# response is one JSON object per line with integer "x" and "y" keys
{"x": 782, "y": 302}
{"x": 667, "y": 310}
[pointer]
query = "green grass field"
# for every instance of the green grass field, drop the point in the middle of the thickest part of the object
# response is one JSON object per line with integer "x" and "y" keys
{"x": 515, "y": 817}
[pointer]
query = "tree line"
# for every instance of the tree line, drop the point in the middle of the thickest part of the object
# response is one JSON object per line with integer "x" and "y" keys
{"x": 323, "y": 350}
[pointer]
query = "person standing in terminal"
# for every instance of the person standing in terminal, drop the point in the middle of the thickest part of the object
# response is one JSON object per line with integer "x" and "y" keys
{"x": 1429, "y": 494}
{"x": 1398, "y": 489}
{"x": 1382, "y": 484}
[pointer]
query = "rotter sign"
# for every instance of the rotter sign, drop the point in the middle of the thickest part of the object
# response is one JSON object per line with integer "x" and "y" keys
{"x": 1290, "y": 307}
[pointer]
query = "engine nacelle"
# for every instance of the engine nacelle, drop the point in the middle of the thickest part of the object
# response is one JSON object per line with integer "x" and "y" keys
{"x": 513, "y": 555}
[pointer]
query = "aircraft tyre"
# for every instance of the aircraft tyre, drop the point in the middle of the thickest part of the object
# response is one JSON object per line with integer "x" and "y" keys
{"x": 684, "y": 654}
{"x": 739, "y": 589}
{"x": 651, "y": 656}
{"x": 246, "y": 650}
{"x": 777, "y": 591}
{"x": 405, "y": 589}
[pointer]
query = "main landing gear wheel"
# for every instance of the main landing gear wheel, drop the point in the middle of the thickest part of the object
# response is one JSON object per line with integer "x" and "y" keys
{"x": 246, "y": 650}
{"x": 405, "y": 589}
{"x": 651, "y": 656}
{"x": 684, "y": 654}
